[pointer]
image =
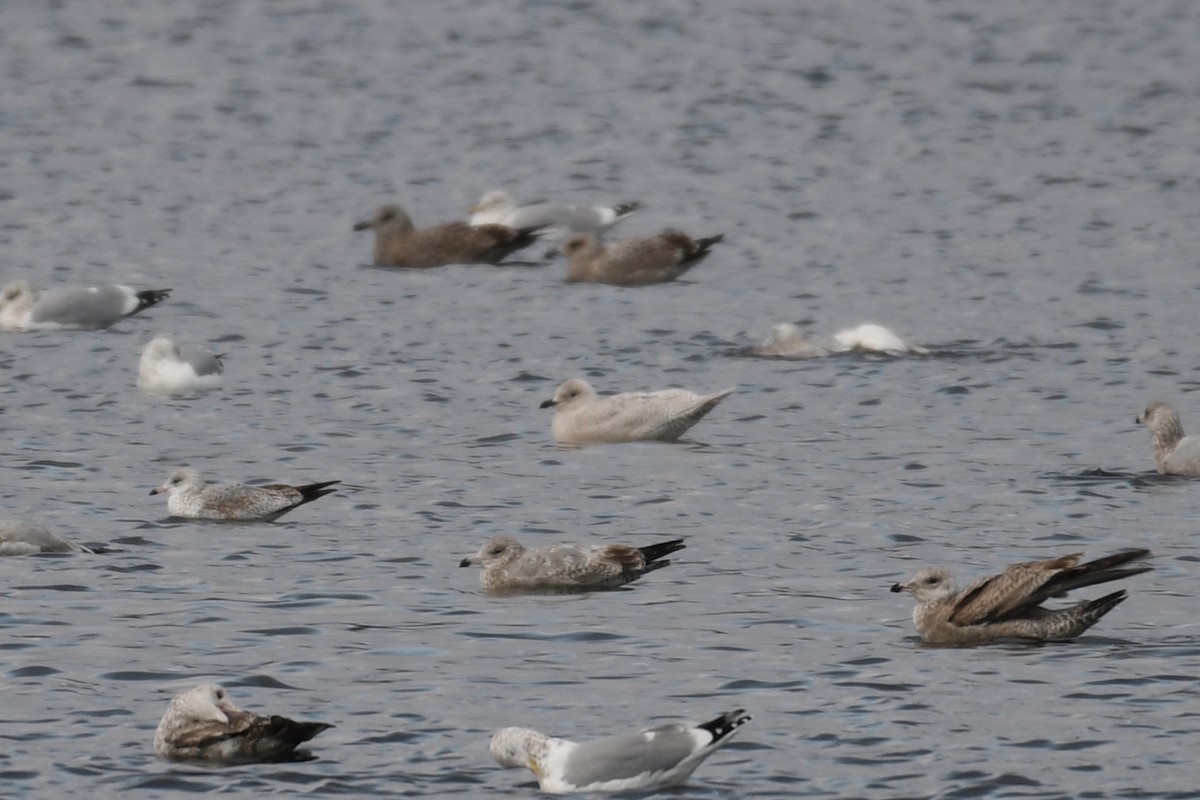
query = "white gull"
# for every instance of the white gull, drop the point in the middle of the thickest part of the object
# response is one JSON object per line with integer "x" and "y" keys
{"x": 24, "y": 308}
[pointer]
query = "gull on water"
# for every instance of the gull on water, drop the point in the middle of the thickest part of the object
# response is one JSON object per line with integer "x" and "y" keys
{"x": 498, "y": 207}
{"x": 24, "y": 308}
{"x": 1009, "y": 605}
{"x": 21, "y": 538}
{"x": 509, "y": 567}
{"x": 398, "y": 243}
{"x": 191, "y": 497}
{"x": 583, "y": 417}
{"x": 1174, "y": 453}
{"x": 789, "y": 341}
{"x": 166, "y": 370}
{"x": 648, "y": 759}
{"x": 203, "y": 724}
{"x": 633, "y": 262}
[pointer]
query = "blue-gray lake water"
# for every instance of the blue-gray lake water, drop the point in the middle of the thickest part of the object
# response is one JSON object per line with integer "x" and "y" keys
{"x": 1015, "y": 185}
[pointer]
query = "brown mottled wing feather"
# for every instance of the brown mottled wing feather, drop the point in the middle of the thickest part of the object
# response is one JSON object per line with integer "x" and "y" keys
{"x": 205, "y": 734}
{"x": 628, "y": 559}
{"x": 995, "y": 598}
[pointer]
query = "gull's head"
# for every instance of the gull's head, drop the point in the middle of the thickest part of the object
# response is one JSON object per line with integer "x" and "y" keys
{"x": 180, "y": 479}
{"x": 387, "y": 219}
{"x": 1159, "y": 415}
{"x": 495, "y": 200}
{"x": 207, "y": 702}
{"x": 569, "y": 392}
{"x": 519, "y": 747}
{"x": 930, "y": 585}
{"x": 160, "y": 348}
{"x": 14, "y": 290}
{"x": 580, "y": 244}
{"x": 498, "y": 549}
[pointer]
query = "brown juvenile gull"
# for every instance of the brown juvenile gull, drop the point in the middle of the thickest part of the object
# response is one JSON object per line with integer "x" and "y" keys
{"x": 399, "y": 244}
{"x": 555, "y": 223}
{"x": 203, "y": 724}
{"x": 24, "y": 308}
{"x": 190, "y": 496}
{"x": 665, "y": 755}
{"x": 1174, "y": 453}
{"x": 583, "y": 417}
{"x": 21, "y": 538}
{"x": 633, "y": 262}
{"x": 509, "y": 567}
{"x": 1008, "y": 605}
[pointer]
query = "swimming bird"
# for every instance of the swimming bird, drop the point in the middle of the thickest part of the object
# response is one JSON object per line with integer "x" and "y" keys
{"x": 583, "y": 417}
{"x": 398, "y": 243}
{"x": 633, "y": 262}
{"x": 166, "y": 370}
{"x": 202, "y": 723}
{"x": 1174, "y": 453}
{"x": 665, "y": 755}
{"x": 24, "y": 308}
{"x": 510, "y": 567}
{"x": 191, "y": 497}
{"x": 21, "y": 538}
{"x": 1009, "y": 605}
{"x": 788, "y": 341}
{"x": 554, "y": 222}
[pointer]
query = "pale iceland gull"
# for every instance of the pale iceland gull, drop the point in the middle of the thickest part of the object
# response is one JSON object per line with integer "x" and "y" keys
{"x": 508, "y": 567}
{"x": 1009, "y": 605}
{"x": 164, "y": 369}
{"x": 398, "y": 243}
{"x": 191, "y": 497}
{"x": 1174, "y": 453}
{"x": 789, "y": 341}
{"x": 633, "y": 262}
{"x": 555, "y": 222}
{"x": 583, "y": 417}
{"x": 24, "y": 308}
{"x": 665, "y": 755}
{"x": 21, "y": 538}
{"x": 203, "y": 724}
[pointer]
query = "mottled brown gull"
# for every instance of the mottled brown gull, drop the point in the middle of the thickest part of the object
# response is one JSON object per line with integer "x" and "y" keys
{"x": 24, "y": 308}
{"x": 633, "y": 262}
{"x": 1009, "y": 605}
{"x": 190, "y": 496}
{"x": 166, "y": 370}
{"x": 665, "y": 755}
{"x": 203, "y": 724}
{"x": 21, "y": 538}
{"x": 509, "y": 567}
{"x": 398, "y": 243}
{"x": 583, "y": 417}
{"x": 1174, "y": 453}
{"x": 554, "y": 222}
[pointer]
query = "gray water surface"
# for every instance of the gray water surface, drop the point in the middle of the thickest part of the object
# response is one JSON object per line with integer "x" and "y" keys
{"x": 1011, "y": 184}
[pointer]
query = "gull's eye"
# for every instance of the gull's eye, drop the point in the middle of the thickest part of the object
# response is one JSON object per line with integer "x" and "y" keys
{"x": 498, "y": 549}
{"x": 932, "y": 580}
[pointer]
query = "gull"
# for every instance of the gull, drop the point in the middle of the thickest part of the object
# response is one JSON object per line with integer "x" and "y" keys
{"x": 510, "y": 567}
{"x": 633, "y": 262}
{"x": 1174, "y": 453}
{"x": 204, "y": 724}
{"x": 191, "y": 497}
{"x": 1009, "y": 605}
{"x": 498, "y": 207}
{"x": 21, "y": 538}
{"x": 398, "y": 243}
{"x": 165, "y": 370}
{"x": 583, "y": 417}
{"x": 647, "y": 759}
{"x": 787, "y": 340}
{"x": 24, "y": 308}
